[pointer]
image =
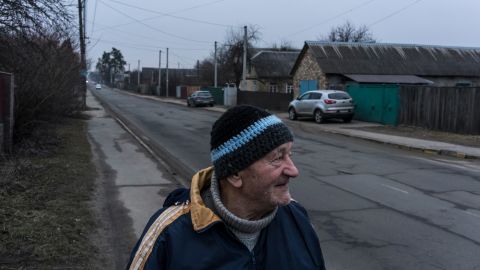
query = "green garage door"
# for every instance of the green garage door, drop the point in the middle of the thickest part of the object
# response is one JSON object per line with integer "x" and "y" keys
{"x": 307, "y": 85}
{"x": 375, "y": 103}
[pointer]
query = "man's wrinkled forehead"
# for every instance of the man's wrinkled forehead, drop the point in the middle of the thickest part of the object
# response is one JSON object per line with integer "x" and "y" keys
{"x": 285, "y": 148}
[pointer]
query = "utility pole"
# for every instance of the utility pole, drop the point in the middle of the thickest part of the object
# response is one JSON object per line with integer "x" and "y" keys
{"x": 129, "y": 75}
{"x": 215, "y": 65}
{"x": 198, "y": 70}
{"x": 159, "y": 71}
{"x": 138, "y": 74}
{"x": 245, "y": 40}
{"x": 83, "y": 61}
{"x": 166, "y": 75}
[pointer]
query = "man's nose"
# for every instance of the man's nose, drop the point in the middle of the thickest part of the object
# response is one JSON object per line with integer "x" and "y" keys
{"x": 290, "y": 168}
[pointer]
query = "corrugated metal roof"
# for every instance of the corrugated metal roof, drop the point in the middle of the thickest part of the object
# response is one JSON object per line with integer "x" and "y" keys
{"x": 395, "y": 59}
{"x": 269, "y": 64}
{"x": 397, "y": 79}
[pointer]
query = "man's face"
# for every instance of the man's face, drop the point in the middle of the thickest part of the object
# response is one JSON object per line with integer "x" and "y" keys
{"x": 265, "y": 182}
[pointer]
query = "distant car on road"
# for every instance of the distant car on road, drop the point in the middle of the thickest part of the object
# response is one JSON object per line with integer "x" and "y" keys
{"x": 321, "y": 105}
{"x": 200, "y": 98}
{"x": 98, "y": 86}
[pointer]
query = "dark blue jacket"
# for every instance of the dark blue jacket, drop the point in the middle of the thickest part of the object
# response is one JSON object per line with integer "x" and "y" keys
{"x": 185, "y": 234}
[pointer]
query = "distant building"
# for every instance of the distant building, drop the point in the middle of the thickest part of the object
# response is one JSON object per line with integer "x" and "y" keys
{"x": 269, "y": 71}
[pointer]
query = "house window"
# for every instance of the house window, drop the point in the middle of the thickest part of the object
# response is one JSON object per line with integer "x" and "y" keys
{"x": 273, "y": 88}
{"x": 289, "y": 89}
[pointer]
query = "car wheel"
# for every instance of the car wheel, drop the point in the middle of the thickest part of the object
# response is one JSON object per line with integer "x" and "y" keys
{"x": 292, "y": 115}
{"x": 318, "y": 115}
{"x": 347, "y": 119}
{"x": 211, "y": 104}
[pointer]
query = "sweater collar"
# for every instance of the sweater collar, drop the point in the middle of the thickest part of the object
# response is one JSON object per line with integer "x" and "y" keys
{"x": 202, "y": 216}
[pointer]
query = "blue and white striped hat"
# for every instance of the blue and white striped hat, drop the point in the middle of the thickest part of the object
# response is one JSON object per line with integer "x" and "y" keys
{"x": 243, "y": 135}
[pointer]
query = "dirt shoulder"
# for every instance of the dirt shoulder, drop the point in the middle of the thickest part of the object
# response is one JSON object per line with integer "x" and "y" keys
{"x": 425, "y": 134}
{"x": 47, "y": 216}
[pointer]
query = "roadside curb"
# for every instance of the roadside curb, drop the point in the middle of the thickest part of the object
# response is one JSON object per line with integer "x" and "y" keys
{"x": 441, "y": 152}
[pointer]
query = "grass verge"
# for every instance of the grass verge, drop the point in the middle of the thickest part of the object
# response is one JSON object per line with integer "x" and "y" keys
{"x": 46, "y": 218}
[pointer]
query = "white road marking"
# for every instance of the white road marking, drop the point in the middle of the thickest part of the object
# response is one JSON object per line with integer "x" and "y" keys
{"x": 457, "y": 164}
{"x": 472, "y": 214}
{"x": 395, "y": 188}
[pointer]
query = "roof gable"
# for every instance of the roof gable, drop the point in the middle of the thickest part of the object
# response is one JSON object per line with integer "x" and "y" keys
{"x": 394, "y": 59}
{"x": 274, "y": 63}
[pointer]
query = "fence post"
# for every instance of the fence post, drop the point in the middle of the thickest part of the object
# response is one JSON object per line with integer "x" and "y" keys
{"x": 6, "y": 113}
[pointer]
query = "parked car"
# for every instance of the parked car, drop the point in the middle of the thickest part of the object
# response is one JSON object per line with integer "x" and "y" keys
{"x": 98, "y": 86}
{"x": 321, "y": 105}
{"x": 200, "y": 98}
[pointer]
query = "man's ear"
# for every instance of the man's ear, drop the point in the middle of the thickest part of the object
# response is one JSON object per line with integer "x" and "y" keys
{"x": 235, "y": 180}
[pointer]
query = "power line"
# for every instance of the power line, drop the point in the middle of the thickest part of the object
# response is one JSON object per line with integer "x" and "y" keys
{"x": 151, "y": 27}
{"x": 149, "y": 38}
{"x": 156, "y": 47}
{"x": 128, "y": 45}
{"x": 94, "y": 15}
{"x": 175, "y": 12}
{"x": 143, "y": 36}
{"x": 183, "y": 57}
{"x": 170, "y": 15}
{"x": 394, "y": 13}
{"x": 332, "y": 18}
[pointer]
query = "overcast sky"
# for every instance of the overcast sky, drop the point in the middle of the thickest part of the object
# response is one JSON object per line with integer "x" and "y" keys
{"x": 189, "y": 27}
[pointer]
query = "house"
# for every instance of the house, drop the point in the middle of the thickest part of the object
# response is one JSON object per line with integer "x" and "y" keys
{"x": 269, "y": 71}
{"x": 176, "y": 77}
{"x": 335, "y": 64}
{"x": 180, "y": 76}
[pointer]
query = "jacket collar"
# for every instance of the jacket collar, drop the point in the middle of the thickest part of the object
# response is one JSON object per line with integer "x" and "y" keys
{"x": 201, "y": 215}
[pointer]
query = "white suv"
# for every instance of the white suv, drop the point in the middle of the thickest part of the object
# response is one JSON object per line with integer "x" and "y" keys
{"x": 321, "y": 105}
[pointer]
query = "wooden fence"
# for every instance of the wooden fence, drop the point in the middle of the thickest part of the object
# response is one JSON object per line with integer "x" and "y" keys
{"x": 270, "y": 101}
{"x": 452, "y": 109}
{"x": 6, "y": 112}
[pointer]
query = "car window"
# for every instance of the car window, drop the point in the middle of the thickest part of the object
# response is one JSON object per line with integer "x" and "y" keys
{"x": 315, "y": 95}
{"x": 204, "y": 94}
{"x": 339, "y": 95}
{"x": 305, "y": 96}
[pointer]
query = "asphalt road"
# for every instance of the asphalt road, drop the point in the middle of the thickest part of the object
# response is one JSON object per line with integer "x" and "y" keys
{"x": 373, "y": 206}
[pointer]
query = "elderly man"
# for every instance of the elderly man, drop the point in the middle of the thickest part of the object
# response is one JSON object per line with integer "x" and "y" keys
{"x": 237, "y": 214}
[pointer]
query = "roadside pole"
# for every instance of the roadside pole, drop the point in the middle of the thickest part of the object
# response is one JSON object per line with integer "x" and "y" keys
{"x": 159, "y": 71}
{"x": 166, "y": 88}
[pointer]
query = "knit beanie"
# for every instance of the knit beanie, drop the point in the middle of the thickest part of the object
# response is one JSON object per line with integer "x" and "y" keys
{"x": 243, "y": 135}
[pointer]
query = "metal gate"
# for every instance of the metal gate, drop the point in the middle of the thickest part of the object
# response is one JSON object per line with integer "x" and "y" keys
{"x": 376, "y": 102}
{"x": 217, "y": 93}
{"x": 307, "y": 85}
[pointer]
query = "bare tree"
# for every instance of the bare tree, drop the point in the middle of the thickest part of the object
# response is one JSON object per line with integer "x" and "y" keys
{"x": 21, "y": 16}
{"x": 348, "y": 32}
{"x": 230, "y": 54}
{"x": 36, "y": 46}
{"x": 284, "y": 45}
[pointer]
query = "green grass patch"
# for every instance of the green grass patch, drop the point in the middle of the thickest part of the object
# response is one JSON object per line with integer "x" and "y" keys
{"x": 46, "y": 217}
